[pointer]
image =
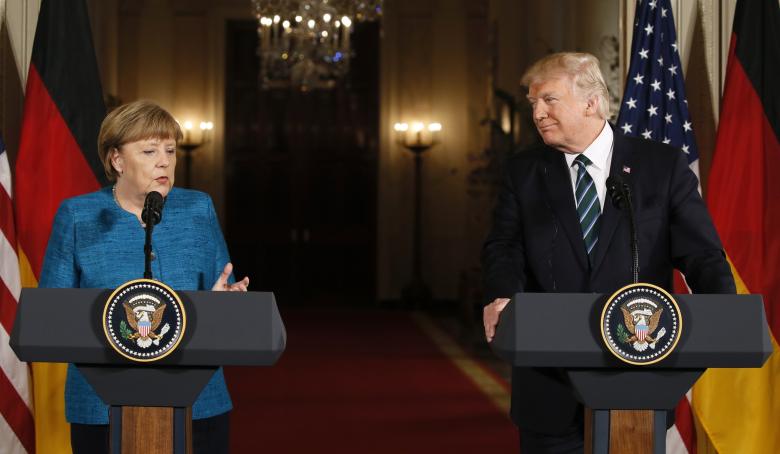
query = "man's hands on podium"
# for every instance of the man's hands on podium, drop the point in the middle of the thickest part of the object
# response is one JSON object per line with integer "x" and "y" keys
{"x": 490, "y": 316}
{"x": 222, "y": 282}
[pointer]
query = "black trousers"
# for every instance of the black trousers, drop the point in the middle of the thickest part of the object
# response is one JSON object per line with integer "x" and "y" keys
{"x": 209, "y": 436}
{"x": 571, "y": 442}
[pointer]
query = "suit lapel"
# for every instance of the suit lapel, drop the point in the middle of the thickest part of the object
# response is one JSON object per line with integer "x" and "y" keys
{"x": 611, "y": 217}
{"x": 561, "y": 196}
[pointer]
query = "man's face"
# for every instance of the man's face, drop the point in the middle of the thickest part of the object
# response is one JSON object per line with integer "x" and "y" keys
{"x": 560, "y": 115}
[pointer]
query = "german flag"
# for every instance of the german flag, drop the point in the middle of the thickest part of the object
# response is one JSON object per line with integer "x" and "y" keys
{"x": 739, "y": 408}
{"x": 57, "y": 159}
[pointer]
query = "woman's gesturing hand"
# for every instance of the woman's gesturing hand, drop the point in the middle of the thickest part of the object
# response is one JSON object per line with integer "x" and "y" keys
{"x": 222, "y": 282}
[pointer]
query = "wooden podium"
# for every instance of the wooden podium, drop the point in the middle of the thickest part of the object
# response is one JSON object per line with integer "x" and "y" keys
{"x": 627, "y": 404}
{"x": 224, "y": 329}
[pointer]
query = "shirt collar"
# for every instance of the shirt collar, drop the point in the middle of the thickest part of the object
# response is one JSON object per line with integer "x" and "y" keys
{"x": 598, "y": 150}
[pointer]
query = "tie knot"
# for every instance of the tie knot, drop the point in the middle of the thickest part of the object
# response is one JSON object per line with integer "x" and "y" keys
{"x": 582, "y": 160}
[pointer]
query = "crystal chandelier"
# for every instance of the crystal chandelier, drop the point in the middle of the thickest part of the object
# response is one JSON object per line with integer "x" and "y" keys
{"x": 305, "y": 44}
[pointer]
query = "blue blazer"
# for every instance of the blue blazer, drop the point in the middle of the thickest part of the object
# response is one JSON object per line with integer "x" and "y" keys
{"x": 96, "y": 244}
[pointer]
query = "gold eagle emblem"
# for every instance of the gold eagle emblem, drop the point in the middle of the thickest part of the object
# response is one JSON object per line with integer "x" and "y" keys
{"x": 632, "y": 321}
{"x": 641, "y": 317}
{"x": 144, "y": 315}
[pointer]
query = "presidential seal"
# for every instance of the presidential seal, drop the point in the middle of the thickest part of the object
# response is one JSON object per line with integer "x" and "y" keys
{"x": 641, "y": 324}
{"x": 144, "y": 320}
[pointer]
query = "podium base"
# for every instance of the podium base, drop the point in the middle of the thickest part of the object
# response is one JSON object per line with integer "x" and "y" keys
{"x": 619, "y": 431}
{"x": 150, "y": 430}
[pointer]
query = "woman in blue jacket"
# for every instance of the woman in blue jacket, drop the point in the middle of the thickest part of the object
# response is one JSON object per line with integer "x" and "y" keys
{"x": 97, "y": 242}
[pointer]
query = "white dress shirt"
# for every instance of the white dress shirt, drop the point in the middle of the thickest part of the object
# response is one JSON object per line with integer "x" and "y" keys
{"x": 600, "y": 154}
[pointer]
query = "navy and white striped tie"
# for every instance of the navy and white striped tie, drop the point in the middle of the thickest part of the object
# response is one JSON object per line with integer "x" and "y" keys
{"x": 588, "y": 207}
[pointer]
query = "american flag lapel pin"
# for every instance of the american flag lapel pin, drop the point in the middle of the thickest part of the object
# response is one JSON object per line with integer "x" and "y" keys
{"x": 626, "y": 169}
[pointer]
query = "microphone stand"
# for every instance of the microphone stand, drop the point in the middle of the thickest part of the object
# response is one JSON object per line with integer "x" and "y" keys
{"x": 620, "y": 193}
{"x": 150, "y": 215}
{"x": 634, "y": 240}
{"x": 148, "y": 250}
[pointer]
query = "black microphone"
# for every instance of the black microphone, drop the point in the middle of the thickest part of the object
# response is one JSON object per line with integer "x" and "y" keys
{"x": 153, "y": 205}
{"x": 151, "y": 216}
{"x": 620, "y": 193}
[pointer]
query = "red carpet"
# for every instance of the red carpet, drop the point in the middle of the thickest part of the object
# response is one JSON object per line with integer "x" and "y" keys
{"x": 362, "y": 382}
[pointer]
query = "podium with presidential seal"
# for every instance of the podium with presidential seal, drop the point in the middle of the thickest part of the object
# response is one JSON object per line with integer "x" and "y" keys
{"x": 148, "y": 350}
{"x": 631, "y": 356}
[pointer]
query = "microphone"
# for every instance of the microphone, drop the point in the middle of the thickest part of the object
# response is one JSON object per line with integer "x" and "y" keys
{"x": 620, "y": 193}
{"x": 151, "y": 216}
{"x": 153, "y": 205}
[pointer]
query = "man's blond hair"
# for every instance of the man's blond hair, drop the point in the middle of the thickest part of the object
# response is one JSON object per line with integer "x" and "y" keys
{"x": 582, "y": 68}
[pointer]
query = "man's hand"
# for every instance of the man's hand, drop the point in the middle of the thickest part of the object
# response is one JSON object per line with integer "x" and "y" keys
{"x": 222, "y": 282}
{"x": 490, "y": 316}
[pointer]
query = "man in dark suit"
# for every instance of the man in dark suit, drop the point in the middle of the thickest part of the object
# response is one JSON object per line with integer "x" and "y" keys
{"x": 556, "y": 229}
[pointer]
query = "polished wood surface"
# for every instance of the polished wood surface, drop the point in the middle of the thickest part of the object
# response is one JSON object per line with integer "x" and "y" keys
{"x": 149, "y": 430}
{"x": 588, "y": 431}
{"x": 631, "y": 431}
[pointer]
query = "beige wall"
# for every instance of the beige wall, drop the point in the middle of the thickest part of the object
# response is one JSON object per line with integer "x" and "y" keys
{"x": 172, "y": 52}
{"x": 529, "y": 30}
{"x": 436, "y": 58}
{"x": 166, "y": 53}
{"x": 429, "y": 67}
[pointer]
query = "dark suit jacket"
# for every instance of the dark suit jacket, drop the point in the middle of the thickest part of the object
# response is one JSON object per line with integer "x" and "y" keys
{"x": 536, "y": 245}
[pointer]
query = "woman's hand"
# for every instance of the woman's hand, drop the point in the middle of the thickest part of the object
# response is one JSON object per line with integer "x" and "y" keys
{"x": 222, "y": 282}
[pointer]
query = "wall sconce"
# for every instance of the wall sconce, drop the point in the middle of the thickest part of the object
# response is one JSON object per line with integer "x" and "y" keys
{"x": 191, "y": 142}
{"x": 417, "y": 138}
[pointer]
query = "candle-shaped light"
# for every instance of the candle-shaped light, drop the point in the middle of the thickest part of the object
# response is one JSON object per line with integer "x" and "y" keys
{"x": 434, "y": 129}
{"x": 277, "y": 32}
{"x": 205, "y": 130}
{"x": 346, "y": 22}
{"x": 187, "y": 128}
{"x": 401, "y": 130}
{"x": 286, "y": 38}
{"x": 266, "y": 23}
{"x": 418, "y": 128}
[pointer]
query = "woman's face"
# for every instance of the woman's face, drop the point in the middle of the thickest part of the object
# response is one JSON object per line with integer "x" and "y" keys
{"x": 146, "y": 165}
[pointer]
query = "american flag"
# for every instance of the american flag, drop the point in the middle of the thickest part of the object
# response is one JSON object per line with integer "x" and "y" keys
{"x": 654, "y": 104}
{"x": 655, "y": 107}
{"x": 17, "y": 431}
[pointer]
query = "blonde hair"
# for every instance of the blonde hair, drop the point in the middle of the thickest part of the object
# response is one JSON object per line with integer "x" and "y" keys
{"x": 130, "y": 122}
{"x": 582, "y": 68}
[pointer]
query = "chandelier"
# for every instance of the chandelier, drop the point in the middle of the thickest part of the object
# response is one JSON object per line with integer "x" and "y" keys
{"x": 305, "y": 44}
